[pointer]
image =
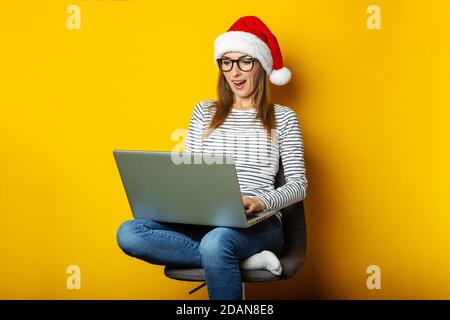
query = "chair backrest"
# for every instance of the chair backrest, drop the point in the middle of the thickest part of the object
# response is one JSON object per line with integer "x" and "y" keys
{"x": 294, "y": 223}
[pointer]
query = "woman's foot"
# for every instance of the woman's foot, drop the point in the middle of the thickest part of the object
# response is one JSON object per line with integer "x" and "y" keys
{"x": 263, "y": 260}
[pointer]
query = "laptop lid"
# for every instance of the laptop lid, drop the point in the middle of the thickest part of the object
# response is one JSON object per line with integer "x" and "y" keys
{"x": 190, "y": 188}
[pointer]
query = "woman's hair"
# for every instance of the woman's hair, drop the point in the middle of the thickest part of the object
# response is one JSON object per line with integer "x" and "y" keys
{"x": 260, "y": 99}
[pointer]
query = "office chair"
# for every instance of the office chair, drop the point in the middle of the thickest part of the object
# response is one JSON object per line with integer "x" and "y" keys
{"x": 292, "y": 257}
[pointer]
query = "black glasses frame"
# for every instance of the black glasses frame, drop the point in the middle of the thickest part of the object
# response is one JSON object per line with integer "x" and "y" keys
{"x": 219, "y": 62}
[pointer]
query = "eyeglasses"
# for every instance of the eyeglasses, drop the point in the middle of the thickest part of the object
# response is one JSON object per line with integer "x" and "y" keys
{"x": 244, "y": 64}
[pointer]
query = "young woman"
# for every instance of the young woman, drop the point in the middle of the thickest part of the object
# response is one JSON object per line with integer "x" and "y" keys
{"x": 248, "y": 57}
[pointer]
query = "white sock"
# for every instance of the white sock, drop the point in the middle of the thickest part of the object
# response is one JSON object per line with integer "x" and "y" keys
{"x": 262, "y": 260}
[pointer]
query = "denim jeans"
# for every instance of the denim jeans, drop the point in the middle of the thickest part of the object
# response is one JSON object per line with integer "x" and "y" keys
{"x": 216, "y": 249}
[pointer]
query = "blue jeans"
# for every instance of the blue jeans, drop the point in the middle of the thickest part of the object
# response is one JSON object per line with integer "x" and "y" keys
{"x": 216, "y": 249}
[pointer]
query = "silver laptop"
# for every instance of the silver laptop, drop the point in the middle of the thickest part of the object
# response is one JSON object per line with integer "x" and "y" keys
{"x": 184, "y": 187}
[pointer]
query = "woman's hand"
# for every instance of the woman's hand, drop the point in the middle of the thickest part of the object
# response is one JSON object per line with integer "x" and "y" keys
{"x": 253, "y": 205}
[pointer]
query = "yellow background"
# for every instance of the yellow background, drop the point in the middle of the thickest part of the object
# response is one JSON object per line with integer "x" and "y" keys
{"x": 373, "y": 107}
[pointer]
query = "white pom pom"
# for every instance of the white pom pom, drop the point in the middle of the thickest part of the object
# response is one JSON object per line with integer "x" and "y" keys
{"x": 280, "y": 76}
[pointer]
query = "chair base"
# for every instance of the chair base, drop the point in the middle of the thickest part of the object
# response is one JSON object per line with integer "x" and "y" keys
{"x": 204, "y": 284}
{"x": 197, "y": 288}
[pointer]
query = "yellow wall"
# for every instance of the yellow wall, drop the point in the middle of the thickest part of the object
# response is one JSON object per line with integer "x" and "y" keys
{"x": 374, "y": 111}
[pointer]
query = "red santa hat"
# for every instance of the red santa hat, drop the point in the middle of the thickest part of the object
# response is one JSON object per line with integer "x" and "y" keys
{"x": 251, "y": 36}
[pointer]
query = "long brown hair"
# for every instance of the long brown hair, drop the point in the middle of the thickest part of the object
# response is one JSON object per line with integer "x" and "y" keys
{"x": 260, "y": 99}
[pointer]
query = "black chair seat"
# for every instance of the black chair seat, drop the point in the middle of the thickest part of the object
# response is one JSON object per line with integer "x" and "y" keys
{"x": 291, "y": 261}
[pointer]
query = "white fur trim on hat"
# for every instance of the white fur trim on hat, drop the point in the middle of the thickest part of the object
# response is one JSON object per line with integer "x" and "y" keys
{"x": 280, "y": 76}
{"x": 244, "y": 42}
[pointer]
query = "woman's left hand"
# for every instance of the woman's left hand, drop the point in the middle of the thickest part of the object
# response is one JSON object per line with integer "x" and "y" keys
{"x": 253, "y": 204}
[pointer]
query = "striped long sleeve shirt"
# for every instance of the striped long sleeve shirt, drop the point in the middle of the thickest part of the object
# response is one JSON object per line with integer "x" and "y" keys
{"x": 256, "y": 158}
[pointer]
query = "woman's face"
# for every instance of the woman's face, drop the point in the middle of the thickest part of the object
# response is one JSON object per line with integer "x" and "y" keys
{"x": 242, "y": 83}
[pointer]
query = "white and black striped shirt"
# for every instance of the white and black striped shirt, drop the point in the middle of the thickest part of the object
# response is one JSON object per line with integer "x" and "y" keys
{"x": 256, "y": 159}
